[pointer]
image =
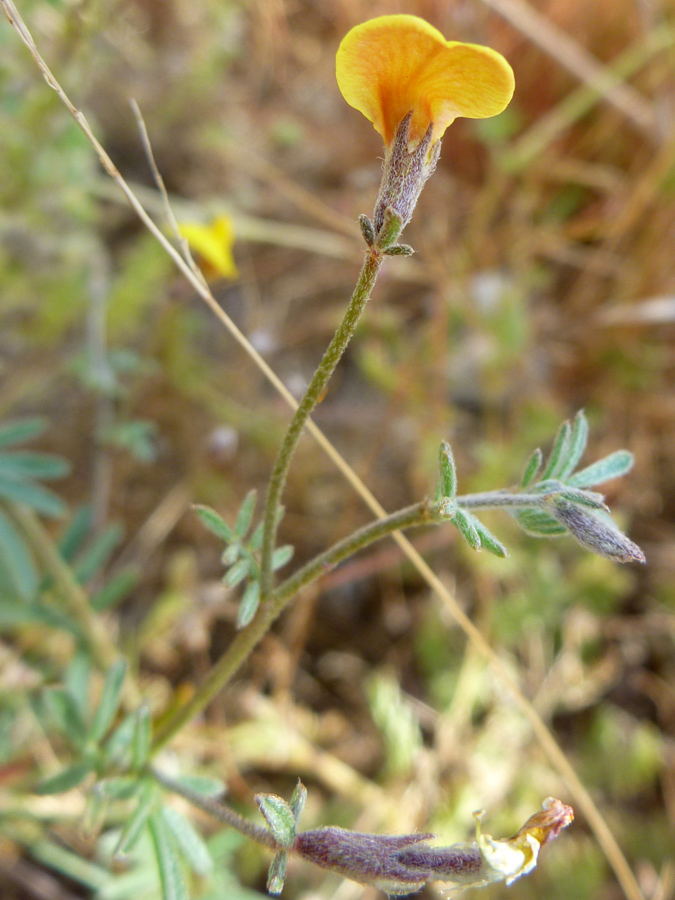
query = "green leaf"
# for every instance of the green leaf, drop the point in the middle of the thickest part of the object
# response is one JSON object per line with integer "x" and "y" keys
{"x": 399, "y": 250}
{"x": 464, "y": 522}
{"x": 277, "y": 873}
{"x": 117, "y": 589}
{"x": 548, "y": 486}
{"x": 231, "y": 554}
{"x": 13, "y": 613}
{"x": 215, "y": 523}
{"x": 117, "y": 747}
{"x": 448, "y": 472}
{"x": 488, "y": 540}
{"x": 534, "y": 463}
{"x": 120, "y": 787}
{"x": 584, "y": 498}
{"x": 367, "y": 230}
{"x": 201, "y": 784}
{"x": 248, "y": 604}
{"x": 60, "y": 859}
{"x": 137, "y": 820}
{"x": 538, "y": 523}
{"x": 140, "y": 747}
{"x": 110, "y": 700}
{"x": 135, "y": 436}
{"x": 256, "y": 539}
{"x": 391, "y": 228}
{"x": 64, "y": 712}
{"x": 298, "y": 800}
{"x": 26, "y": 465}
{"x": 21, "y": 430}
{"x": 18, "y": 569}
{"x": 559, "y": 453}
{"x": 279, "y": 816}
{"x": 98, "y": 554}
{"x": 66, "y": 779}
{"x": 237, "y": 573}
{"x": 168, "y": 862}
{"x": 77, "y": 680}
{"x": 76, "y": 532}
{"x": 38, "y": 498}
{"x": 613, "y": 466}
{"x": 245, "y": 514}
{"x": 577, "y": 447}
{"x": 281, "y": 556}
{"x": 189, "y": 841}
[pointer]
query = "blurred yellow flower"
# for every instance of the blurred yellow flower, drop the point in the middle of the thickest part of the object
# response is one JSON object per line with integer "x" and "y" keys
{"x": 393, "y": 65}
{"x": 213, "y": 242}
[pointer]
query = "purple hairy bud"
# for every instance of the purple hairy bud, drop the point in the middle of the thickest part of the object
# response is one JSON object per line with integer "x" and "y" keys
{"x": 405, "y": 172}
{"x": 597, "y": 533}
{"x": 400, "y": 864}
{"x": 375, "y": 859}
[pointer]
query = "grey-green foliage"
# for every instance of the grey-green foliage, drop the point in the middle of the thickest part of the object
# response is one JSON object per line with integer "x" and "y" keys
{"x": 66, "y": 711}
{"x": 570, "y": 507}
{"x": 282, "y": 819}
{"x": 551, "y": 500}
{"x": 447, "y": 506}
{"x": 21, "y": 472}
{"x": 241, "y": 554}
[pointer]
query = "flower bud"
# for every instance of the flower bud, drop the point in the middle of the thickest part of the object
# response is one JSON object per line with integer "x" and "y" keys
{"x": 597, "y": 533}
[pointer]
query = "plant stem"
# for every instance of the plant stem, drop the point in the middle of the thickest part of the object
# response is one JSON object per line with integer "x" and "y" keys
{"x": 244, "y": 642}
{"x": 501, "y": 499}
{"x": 409, "y": 517}
{"x": 418, "y": 514}
{"x": 218, "y": 810}
{"x": 317, "y": 386}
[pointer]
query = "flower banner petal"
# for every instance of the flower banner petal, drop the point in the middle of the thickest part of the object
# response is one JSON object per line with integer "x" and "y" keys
{"x": 392, "y": 65}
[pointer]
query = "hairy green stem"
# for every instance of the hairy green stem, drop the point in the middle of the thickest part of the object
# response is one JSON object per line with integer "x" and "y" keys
{"x": 422, "y": 513}
{"x": 244, "y": 642}
{"x": 362, "y": 291}
{"x": 501, "y": 499}
{"x": 218, "y": 810}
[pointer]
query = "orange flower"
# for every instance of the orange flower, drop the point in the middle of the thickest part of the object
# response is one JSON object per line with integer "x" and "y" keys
{"x": 393, "y": 65}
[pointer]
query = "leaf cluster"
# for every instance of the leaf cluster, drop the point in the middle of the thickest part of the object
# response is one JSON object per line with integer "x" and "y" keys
{"x": 242, "y": 553}
{"x": 558, "y": 477}
{"x": 21, "y": 472}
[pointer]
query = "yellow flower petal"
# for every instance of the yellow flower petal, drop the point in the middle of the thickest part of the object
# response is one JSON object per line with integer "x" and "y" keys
{"x": 391, "y": 65}
{"x": 213, "y": 242}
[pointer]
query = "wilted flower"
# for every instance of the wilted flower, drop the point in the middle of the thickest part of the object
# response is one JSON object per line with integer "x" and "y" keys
{"x": 411, "y": 83}
{"x": 506, "y": 860}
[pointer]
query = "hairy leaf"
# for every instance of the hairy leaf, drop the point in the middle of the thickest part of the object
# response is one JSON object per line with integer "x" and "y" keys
{"x": 613, "y": 466}
{"x": 532, "y": 468}
{"x": 168, "y": 861}
{"x": 189, "y": 841}
{"x": 110, "y": 700}
{"x": 559, "y": 453}
{"x": 215, "y": 523}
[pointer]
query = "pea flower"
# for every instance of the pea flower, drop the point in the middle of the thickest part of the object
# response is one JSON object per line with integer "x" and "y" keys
{"x": 213, "y": 242}
{"x": 411, "y": 83}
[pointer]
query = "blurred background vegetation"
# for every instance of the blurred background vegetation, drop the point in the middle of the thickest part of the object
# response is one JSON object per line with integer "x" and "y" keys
{"x": 544, "y": 281}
